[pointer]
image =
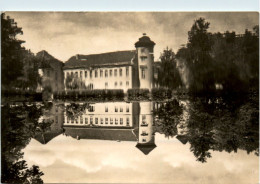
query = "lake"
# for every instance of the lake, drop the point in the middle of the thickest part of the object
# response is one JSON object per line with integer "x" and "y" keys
{"x": 188, "y": 140}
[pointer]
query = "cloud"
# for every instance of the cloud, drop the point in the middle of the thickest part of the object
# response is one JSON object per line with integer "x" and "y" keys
{"x": 110, "y": 161}
{"x": 64, "y": 34}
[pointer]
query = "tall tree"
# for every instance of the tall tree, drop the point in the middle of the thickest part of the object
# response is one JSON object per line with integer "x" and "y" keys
{"x": 199, "y": 60}
{"x": 11, "y": 49}
{"x": 168, "y": 75}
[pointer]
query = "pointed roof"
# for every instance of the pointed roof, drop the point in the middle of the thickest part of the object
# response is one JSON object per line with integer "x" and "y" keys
{"x": 44, "y": 138}
{"x": 47, "y": 60}
{"x": 182, "y": 138}
{"x": 144, "y": 41}
{"x": 104, "y": 59}
{"x": 146, "y": 148}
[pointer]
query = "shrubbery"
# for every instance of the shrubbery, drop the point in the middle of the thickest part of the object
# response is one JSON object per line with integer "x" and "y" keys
{"x": 101, "y": 94}
{"x": 138, "y": 94}
{"x": 161, "y": 93}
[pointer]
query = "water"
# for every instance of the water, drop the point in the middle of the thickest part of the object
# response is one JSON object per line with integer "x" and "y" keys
{"x": 197, "y": 140}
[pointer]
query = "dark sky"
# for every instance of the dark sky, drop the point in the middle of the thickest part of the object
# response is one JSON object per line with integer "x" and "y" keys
{"x": 66, "y": 34}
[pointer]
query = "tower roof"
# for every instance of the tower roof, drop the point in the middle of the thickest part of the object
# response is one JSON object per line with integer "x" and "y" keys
{"x": 146, "y": 148}
{"x": 144, "y": 41}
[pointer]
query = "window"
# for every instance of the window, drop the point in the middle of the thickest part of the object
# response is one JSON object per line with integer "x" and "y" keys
{"x": 143, "y": 118}
{"x": 143, "y": 58}
{"x": 142, "y": 50}
{"x": 81, "y": 120}
{"x": 144, "y": 140}
{"x": 106, "y": 109}
{"x": 91, "y": 108}
{"x": 106, "y": 121}
{"x": 120, "y": 72}
{"x": 115, "y": 72}
{"x": 127, "y": 83}
{"x": 101, "y": 121}
{"x": 116, "y": 109}
{"x": 86, "y": 74}
{"x": 127, "y": 121}
{"x": 111, "y": 121}
{"x": 76, "y": 121}
{"x": 90, "y": 74}
{"x": 106, "y": 73}
{"x": 80, "y": 74}
{"x": 121, "y": 121}
{"x": 121, "y": 109}
{"x": 96, "y": 73}
{"x": 127, "y": 71}
{"x": 115, "y": 84}
{"x": 91, "y": 120}
{"x": 110, "y": 73}
{"x": 86, "y": 120}
{"x": 76, "y": 74}
{"x": 116, "y": 121}
{"x": 127, "y": 108}
{"x": 96, "y": 120}
{"x": 121, "y": 83}
{"x": 101, "y": 73}
{"x": 143, "y": 73}
{"x": 106, "y": 85}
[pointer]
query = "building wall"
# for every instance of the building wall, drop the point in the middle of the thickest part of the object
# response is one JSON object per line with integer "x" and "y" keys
{"x": 111, "y": 114}
{"x": 145, "y": 122}
{"x": 145, "y": 67}
{"x": 101, "y": 78}
{"x": 52, "y": 76}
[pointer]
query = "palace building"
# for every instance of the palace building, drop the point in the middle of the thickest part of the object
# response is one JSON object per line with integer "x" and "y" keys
{"x": 119, "y": 121}
{"x": 114, "y": 70}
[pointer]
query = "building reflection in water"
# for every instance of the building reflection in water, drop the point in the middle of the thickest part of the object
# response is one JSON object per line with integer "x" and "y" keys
{"x": 116, "y": 121}
{"x": 50, "y": 124}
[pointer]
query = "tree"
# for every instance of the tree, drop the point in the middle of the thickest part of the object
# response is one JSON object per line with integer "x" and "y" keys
{"x": 200, "y": 61}
{"x": 10, "y": 51}
{"x": 168, "y": 75}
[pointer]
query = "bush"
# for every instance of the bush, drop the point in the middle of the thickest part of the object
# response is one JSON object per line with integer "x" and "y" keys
{"x": 138, "y": 94}
{"x": 97, "y": 94}
{"x": 161, "y": 93}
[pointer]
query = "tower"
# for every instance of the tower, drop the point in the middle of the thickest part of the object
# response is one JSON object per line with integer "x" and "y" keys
{"x": 144, "y": 48}
{"x": 146, "y": 128}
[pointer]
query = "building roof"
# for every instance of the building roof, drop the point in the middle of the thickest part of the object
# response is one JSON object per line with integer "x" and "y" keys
{"x": 47, "y": 61}
{"x": 144, "y": 41}
{"x": 44, "y": 138}
{"x": 101, "y": 133}
{"x": 104, "y": 59}
{"x": 182, "y": 138}
{"x": 146, "y": 148}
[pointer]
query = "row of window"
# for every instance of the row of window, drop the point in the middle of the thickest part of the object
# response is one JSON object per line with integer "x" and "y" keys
{"x": 106, "y": 73}
{"x": 92, "y": 109}
{"x": 117, "y": 84}
{"x": 102, "y": 121}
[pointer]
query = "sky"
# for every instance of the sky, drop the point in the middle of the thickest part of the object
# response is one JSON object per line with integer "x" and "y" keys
{"x": 65, "y": 34}
{"x": 99, "y": 161}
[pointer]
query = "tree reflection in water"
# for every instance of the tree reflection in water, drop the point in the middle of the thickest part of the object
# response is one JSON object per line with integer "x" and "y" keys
{"x": 19, "y": 125}
{"x": 217, "y": 124}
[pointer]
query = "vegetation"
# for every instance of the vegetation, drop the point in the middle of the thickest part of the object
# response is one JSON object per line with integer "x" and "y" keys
{"x": 19, "y": 125}
{"x": 228, "y": 60}
{"x": 213, "y": 124}
{"x": 19, "y": 66}
{"x": 168, "y": 75}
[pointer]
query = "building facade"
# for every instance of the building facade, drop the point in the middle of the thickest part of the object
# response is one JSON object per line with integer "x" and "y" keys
{"x": 114, "y": 70}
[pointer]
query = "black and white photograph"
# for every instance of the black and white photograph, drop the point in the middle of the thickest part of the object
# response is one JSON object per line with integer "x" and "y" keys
{"x": 130, "y": 97}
